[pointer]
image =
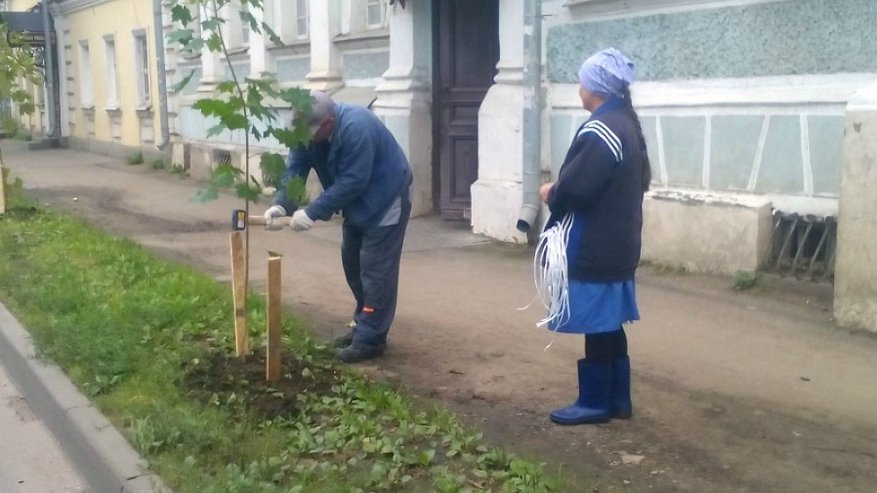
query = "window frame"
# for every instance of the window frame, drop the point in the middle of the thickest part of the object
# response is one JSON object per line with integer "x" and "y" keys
{"x": 86, "y": 78}
{"x": 142, "y": 74}
{"x": 111, "y": 73}
{"x": 382, "y": 5}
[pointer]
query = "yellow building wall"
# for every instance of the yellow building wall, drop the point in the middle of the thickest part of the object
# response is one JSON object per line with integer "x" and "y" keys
{"x": 121, "y": 19}
{"x": 20, "y": 5}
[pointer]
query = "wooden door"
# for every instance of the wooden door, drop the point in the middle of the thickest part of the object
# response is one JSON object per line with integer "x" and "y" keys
{"x": 466, "y": 57}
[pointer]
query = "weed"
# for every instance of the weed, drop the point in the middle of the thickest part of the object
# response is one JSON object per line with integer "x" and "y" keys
{"x": 744, "y": 280}
{"x": 135, "y": 158}
{"x": 159, "y": 164}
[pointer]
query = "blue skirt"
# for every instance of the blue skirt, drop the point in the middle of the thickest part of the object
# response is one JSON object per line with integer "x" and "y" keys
{"x": 598, "y": 307}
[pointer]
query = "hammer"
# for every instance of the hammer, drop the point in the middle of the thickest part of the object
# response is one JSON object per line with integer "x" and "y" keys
{"x": 240, "y": 221}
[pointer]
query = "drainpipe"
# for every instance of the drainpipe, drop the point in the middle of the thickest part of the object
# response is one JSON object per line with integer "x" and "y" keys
{"x": 532, "y": 118}
{"x": 158, "y": 23}
{"x": 53, "y": 128}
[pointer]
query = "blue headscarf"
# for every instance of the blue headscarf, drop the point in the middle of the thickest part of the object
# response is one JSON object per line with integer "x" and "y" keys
{"x": 607, "y": 73}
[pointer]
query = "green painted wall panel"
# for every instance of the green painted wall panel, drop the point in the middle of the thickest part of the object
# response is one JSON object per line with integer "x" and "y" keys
{"x": 365, "y": 65}
{"x": 775, "y": 38}
{"x": 826, "y": 152}
{"x": 732, "y": 154}
{"x": 293, "y": 69}
{"x": 781, "y": 167}
{"x": 683, "y": 149}
{"x": 650, "y": 132}
{"x": 562, "y": 127}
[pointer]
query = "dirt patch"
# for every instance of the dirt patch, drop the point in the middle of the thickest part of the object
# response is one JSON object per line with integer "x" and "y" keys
{"x": 219, "y": 377}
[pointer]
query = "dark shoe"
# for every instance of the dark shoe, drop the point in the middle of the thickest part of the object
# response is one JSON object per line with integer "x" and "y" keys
{"x": 592, "y": 406}
{"x": 621, "y": 406}
{"x": 347, "y": 339}
{"x": 355, "y": 353}
{"x": 343, "y": 341}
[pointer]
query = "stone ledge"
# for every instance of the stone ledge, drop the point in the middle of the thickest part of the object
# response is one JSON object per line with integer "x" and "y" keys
{"x": 703, "y": 232}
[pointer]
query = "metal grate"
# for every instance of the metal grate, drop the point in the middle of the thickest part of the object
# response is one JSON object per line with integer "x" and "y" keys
{"x": 187, "y": 156}
{"x": 803, "y": 246}
{"x": 221, "y": 158}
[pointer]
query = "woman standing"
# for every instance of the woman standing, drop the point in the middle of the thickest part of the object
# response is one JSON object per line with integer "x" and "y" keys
{"x": 596, "y": 213}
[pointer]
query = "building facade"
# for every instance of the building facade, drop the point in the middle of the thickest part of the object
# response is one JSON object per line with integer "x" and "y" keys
{"x": 742, "y": 101}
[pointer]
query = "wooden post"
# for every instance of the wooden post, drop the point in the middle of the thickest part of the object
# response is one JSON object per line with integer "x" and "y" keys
{"x": 2, "y": 189}
{"x": 272, "y": 365}
{"x": 239, "y": 288}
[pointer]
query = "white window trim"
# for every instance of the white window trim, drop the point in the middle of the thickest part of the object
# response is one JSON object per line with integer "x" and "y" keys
{"x": 86, "y": 79}
{"x": 307, "y": 18}
{"x": 144, "y": 97}
{"x": 383, "y": 5}
{"x": 112, "y": 74}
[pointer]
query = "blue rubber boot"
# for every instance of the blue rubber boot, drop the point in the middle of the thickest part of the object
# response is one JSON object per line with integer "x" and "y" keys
{"x": 621, "y": 406}
{"x": 592, "y": 406}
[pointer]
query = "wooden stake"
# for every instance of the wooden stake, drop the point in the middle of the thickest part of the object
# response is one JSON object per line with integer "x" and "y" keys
{"x": 272, "y": 366}
{"x": 2, "y": 191}
{"x": 239, "y": 288}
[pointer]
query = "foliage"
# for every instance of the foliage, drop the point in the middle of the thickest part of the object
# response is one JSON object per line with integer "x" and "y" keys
{"x": 240, "y": 104}
{"x": 133, "y": 331}
{"x": 744, "y": 280}
{"x": 17, "y": 64}
{"x": 135, "y": 158}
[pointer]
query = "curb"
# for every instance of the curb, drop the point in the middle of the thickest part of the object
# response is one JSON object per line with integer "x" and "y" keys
{"x": 100, "y": 454}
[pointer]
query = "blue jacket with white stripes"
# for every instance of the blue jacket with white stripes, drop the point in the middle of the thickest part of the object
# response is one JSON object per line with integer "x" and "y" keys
{"x": 600, "y": 183}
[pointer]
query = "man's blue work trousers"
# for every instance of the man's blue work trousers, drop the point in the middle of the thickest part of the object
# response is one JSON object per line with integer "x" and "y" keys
{"x": 371, "y": 264}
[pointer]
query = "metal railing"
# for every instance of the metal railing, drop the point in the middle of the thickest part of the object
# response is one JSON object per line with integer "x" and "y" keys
{"x": 803, "y": 246}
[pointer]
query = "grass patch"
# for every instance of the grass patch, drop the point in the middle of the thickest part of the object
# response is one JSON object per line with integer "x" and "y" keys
{"x": 745, "y": 280}
{"x": 151, "y": 341}
{"x": 159, "y": 164}
{"x": 135, "y": 158}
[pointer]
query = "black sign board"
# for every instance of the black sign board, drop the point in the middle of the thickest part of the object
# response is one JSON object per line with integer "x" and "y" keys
{"x": 29, "y": 25}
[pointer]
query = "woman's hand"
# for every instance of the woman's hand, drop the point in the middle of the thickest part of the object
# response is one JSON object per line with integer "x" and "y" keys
{"x": 544, "y": 190}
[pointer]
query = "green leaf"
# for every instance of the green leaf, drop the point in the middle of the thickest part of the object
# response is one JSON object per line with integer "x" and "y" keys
{"x": 183, "y": 83}
{"x": 206, "y": 195}
{"x": 273, "y": 166}
{"x": 234, "y": 121}
{"x": 214, "y": 42}
{"x": 248, "y": 191}
{"x": 215, "y": 130}
{"x": 210, "y": 107}
{"x": 297, "y": 191}
{"x": 224, "y": 176}
{"x": 228, "y": 86}
{"x": 181, "y": 14}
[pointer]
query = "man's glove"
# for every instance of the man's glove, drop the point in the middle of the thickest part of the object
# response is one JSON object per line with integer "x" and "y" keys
{"x": 273, "y": 212}
{"x": 301, "y": 221}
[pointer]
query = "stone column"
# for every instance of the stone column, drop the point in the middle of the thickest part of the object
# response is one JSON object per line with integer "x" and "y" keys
{"x": 404, "y": 96}
{"x": 855, "y": 288}
{"x": 261, "y": 62}
{"x": 211, "y": 68}
{"x": 497, "y": 194}
{"x": 325, "y": 24}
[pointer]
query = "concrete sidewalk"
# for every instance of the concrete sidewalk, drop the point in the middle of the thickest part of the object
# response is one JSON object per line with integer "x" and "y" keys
{"x": 733, "y": 392}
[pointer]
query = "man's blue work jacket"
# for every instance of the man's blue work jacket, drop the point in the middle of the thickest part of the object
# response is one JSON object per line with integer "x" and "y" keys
{"x": 361, "y": 167}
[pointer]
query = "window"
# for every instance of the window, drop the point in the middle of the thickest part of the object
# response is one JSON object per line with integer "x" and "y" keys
{"x": 245, "y": 24}
{"x": 375, "y": 13}
{"x": 289, "y": 19}
{"x": 112, "y": 85}
{"x": 301, "y": 19}
{"x": 86, "y": 84}
{"x": 141, "y": 67}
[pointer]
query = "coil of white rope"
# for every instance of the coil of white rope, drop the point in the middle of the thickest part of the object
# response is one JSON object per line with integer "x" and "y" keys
{"x": 550, "y": 271}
